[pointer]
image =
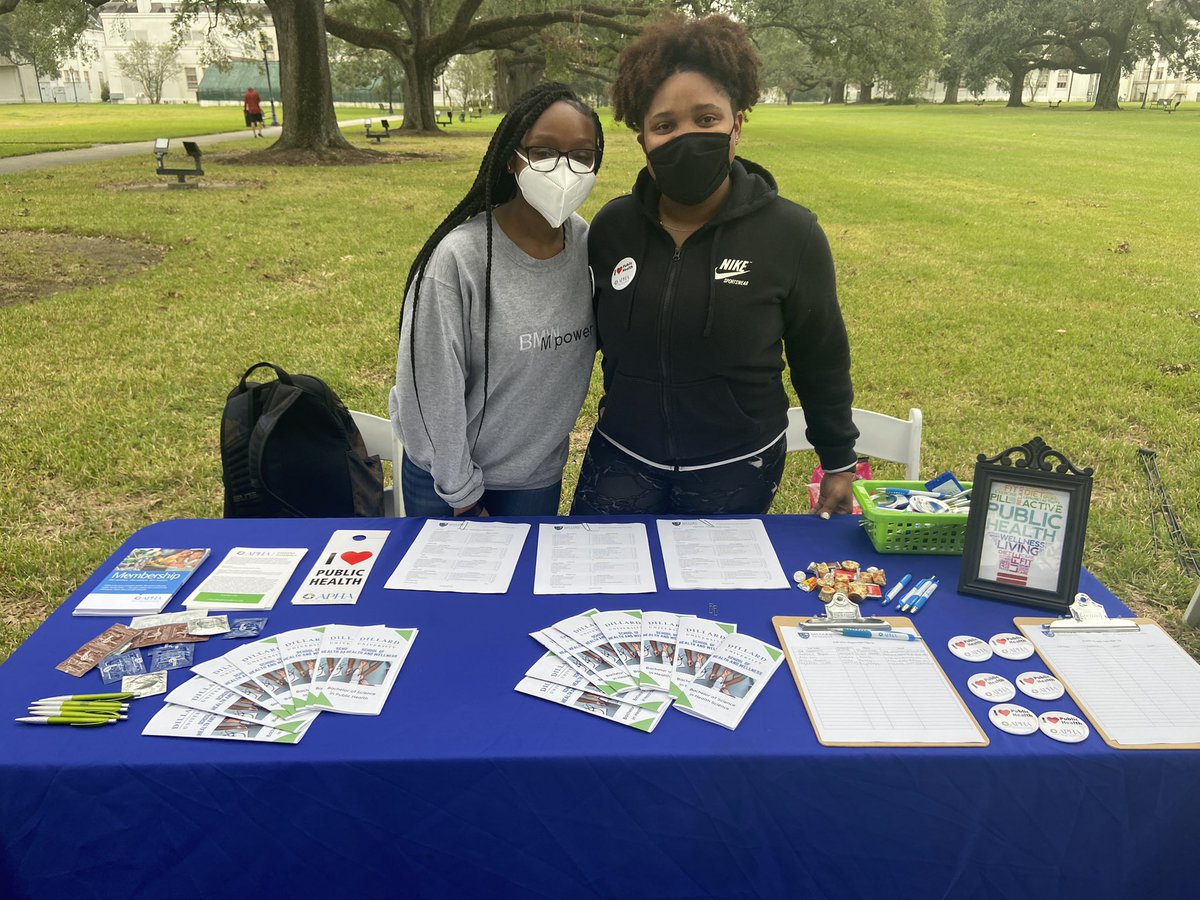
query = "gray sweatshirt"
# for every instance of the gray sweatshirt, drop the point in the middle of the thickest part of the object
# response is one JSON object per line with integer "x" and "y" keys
{"x": 541, "y": 346}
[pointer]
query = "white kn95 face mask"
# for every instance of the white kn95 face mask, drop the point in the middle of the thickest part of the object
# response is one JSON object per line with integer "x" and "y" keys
{"x": 557, "y": 193}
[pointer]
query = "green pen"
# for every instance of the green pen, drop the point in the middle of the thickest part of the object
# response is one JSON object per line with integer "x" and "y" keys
{"x": 64, "y": 720}
{"x": 100, "y": 706}
{"x": 43, "y": 709}
{"x": 127, "y": 695}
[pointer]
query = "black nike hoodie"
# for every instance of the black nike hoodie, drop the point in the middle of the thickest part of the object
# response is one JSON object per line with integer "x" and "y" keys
{"x": 692, "y": 337}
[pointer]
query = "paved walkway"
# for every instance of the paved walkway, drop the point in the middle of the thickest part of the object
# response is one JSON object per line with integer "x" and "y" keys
{"x": 55, "y": 158}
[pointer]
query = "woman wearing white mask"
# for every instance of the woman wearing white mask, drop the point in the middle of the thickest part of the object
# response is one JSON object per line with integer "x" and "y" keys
{"x": 497, "y": 309}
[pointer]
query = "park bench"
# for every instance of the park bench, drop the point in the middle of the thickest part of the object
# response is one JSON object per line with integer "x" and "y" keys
{"x": 378, "y": 136}
{"x": 191, "y": 148}
{"x": 443, "y": 117}
{"x": 1169, "y": 107}
{"x": 477, "y": 113}
{"x": 1054, "y": 104}
{"x": 979, "y": 101}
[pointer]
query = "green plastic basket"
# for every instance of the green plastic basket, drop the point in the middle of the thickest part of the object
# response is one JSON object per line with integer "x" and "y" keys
{"x": 901, "y": 531}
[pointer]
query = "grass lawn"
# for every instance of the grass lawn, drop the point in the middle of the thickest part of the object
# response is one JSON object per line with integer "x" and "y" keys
{"x": 40, "y": 127}
{"x": 1011, "y": 272}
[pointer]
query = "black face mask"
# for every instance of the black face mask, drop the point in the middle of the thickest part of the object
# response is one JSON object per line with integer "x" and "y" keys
{"x": 690, "y": 167}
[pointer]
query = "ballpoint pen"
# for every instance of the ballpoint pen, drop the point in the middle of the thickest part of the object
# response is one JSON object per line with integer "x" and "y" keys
{"x": 912, "y": 594}
{"x": 100, "y": 706}
{"x": 894, "y": 591}
{"x": 65, "y": 697}
{"x": 63, "y": 720}
{"x": 925, "y": 594}
{"x": 77, "y": 713}
{"x": 886, "y": 635}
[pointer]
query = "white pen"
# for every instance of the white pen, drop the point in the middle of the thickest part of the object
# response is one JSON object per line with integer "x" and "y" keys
{"x": 887, "y": 635}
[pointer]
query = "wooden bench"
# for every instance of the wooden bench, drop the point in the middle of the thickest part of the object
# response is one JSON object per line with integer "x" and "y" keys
{"x": 378, "y": 136}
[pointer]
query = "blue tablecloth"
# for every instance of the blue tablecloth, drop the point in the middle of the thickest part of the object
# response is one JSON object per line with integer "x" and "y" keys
{"x": 463, "y": 787}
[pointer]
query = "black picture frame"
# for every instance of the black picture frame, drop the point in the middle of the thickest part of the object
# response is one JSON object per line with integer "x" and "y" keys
{"x": 1026, "y": 527}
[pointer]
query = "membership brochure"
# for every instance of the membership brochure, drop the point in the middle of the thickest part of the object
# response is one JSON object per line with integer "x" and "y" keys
{"x": 341, "y": 569}
{"x": 181, "y": 721}
{"x": 248, "y": 578}
{"x": 143, "y": 583}
{"x": 466, "y": 557}
{"x": 365, "y": 664}
{"x": 200, "y": 693}
{"x": 731, "y": 680}
{"x": 698, "y": 639}
{"x": 719, "y": 554}
{"x": 596, "y": 704}
{"x": 593, "y": 559}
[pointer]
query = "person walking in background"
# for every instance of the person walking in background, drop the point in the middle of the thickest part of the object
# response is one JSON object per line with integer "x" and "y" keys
{"x": 252, "y": 107}
{"x": 705, "y": 280}
{"x": 497, "y": 338}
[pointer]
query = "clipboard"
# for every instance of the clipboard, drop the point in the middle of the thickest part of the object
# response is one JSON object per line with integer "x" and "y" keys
{"x": 1032, "y": 627}
{"x": 934, "y": 673}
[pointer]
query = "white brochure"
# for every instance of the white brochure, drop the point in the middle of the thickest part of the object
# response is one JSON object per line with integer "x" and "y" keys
{"x": 719, "y": 554}
{"x": 248, "y": 578}
{"x": 593, "y": 559}
{"x": 367, "y": 663}
{"x": 659, "y": 633}
{"x": 224, "y": 672}
{"x": 261, "y": 661}
{"x": 180, "y": 721}
{"x": 465, "y": 556}
{"x": 298, "y": 649}
{"x": 557, "y": 671}
{"x": 600, "y": 669}
{"x": 583, "y": 630}
{"x": 553, "y": 642}
{"x": 200, "y": 693}
{"x": 730, "y": 681}
{"x": 623, "y": 628}
{"x": 596, "y": 704}
{"x": 697, "y": 640}
{"x": 341, "y": 569}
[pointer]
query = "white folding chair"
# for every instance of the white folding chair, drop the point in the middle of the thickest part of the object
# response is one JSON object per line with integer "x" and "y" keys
{"x": 880, "y": 436}
{"x": 381, "y": 441}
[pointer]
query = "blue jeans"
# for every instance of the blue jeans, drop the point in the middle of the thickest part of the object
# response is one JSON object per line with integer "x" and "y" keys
{"x": 420, "y": 498}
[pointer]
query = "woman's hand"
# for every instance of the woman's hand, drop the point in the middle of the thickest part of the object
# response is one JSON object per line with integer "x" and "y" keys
{"x": 836, "y": 494}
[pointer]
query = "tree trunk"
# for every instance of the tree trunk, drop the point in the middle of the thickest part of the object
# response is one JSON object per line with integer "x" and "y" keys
{"x": 1016, "y": 87}
{"x": 787, "y": 95}
{"x": 418, "y": 93}
{"x": 309, "y": 122}
{"x": 951, "y": 81}
{"x": 864, "y": 92}
{"x": 837, "y": 92}
{"x": 515, "y": 75}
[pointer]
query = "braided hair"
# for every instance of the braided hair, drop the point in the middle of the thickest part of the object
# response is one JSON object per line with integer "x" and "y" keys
{"x": 494, "y": 184}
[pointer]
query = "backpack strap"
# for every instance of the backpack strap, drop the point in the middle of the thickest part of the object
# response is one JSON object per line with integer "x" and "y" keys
{"x": 286, "y": 395}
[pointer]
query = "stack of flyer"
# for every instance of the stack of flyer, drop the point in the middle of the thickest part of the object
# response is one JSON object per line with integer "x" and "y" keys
{"x": 630, "y": 666}
{"x": 272, "y": 689}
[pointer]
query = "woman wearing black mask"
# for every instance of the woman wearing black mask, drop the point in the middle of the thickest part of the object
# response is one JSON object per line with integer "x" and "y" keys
{"x": 705, "y": 278}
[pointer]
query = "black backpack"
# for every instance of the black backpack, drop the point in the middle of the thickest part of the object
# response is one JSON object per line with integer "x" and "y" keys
{"x": 289, "y": 448}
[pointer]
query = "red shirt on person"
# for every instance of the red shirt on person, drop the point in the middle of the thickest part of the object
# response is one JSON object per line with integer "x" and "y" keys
{"x": 251, "y": 102}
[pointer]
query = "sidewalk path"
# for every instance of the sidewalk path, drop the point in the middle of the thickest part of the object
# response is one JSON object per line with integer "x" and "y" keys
{"x": 55, "y": 158}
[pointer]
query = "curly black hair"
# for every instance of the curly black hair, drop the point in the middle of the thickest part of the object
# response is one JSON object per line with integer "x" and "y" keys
{"x": 715, "y": 46}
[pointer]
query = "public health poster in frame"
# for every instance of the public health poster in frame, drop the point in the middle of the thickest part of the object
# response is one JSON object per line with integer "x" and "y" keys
{"x": 1026, "y": 527}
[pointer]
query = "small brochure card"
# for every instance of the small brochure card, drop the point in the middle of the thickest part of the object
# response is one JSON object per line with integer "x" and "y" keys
{"x": 582, "y": 630}
{"x": 594, "y": 703}
{"x": 224, "y": 672}
{"x": 341, "y": 569}
{"x": 143, "y": 582}
{"x": 609, "y": 673}
{"x": 248, "y": 578}
{"x": 298, "y": 649}
{"x": 698, "y": 638}
{"x": 623, "y": 628}
{"x": 367, "y": 661}
{"x": 660, "y": 631}
{"x": 730, "y": 680}
{"x": 261, "y": 661}
{"x": 554, "y": 670}
{"x": 180, "y": 721}
{"x": 200, "y": 693}
{"x": 550, "y": 639}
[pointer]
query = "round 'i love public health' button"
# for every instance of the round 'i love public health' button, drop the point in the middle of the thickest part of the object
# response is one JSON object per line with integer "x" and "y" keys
{"x": 1063, "y": 727}
{"x": 1013, "y": 719}
{"x": 972, "y": 649}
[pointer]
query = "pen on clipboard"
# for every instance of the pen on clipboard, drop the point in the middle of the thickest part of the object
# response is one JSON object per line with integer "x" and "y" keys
{"x": 925, "y": 595}
{"x": 884, "y": 635}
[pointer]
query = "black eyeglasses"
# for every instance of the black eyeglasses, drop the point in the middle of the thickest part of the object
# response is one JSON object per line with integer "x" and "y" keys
{"x": 545, "y": 159}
